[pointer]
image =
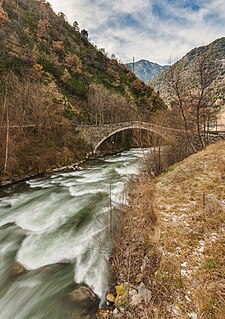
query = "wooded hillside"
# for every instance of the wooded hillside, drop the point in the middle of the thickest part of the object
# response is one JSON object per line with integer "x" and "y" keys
{"x": 51, "y": 78}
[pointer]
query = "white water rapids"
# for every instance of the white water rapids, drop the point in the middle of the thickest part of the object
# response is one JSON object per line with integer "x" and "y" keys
{"x": 61, "y": 222}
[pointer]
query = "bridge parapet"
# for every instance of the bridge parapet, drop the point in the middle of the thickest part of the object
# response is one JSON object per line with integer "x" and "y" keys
{"x": 95, "y": 135}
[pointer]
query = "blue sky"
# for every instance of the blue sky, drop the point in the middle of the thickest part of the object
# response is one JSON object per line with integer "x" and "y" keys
{"x": 161, "y": 31}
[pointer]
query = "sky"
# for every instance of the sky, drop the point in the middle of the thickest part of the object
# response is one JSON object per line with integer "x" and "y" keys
{"x": 160, "y": 31}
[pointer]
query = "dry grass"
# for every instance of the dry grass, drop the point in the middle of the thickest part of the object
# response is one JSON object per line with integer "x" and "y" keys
{"x": 190, "y": 199}
{"x": 179, "y": 224}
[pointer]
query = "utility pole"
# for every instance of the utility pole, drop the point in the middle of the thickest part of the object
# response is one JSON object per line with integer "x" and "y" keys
{"x": 133, "y": 64}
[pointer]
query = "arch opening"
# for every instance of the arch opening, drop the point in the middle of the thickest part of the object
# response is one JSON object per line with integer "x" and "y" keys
{"x": 133, "y": 137}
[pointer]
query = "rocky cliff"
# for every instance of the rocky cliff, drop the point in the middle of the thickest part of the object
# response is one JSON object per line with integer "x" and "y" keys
{"x": 213, "y": 54}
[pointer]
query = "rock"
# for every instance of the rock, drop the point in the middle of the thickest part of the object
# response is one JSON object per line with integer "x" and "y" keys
{"x": 117, "y": 314}
{"x": 82, "y": 295}
{"x": 21, "y": 178}
{"x": 6, "y": 182}
{"x": 115, "y": 311}
{"x": 132, "y": 292}
{"x": 47, "y": 269}
{"x": 21, "y": 232}
{"x": 144, "y": 292}
{"x": 136, "y": 300}
{"x": 102, "y": 313}
{"x": 144, "y": 264}
{"x": 193, "y": 315}
{"x": 139, "y": 278}
{"x": 18, "y": 269}
{"x": 110, "y": 297}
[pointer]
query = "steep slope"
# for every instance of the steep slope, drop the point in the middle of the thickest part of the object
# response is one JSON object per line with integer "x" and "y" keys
{"x": 146, "y": 70}
{"x": 51, "y": 77}
{"x": 214, "y": 53}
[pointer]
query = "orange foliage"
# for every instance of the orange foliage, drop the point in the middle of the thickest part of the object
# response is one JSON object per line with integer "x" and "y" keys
{"x": 42, "y": 28}
{"x": 58, "y": 46}
{"x": 3, "y": 14}
{"x": 74, "y": 63}
{"x": 66, "y": 76}
{"x": 138, "y": 84}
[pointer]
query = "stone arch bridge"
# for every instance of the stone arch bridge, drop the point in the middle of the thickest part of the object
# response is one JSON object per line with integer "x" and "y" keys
{"x": 95, "y": 135}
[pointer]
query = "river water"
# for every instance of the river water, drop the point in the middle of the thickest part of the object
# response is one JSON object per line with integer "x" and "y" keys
{"x": 57, "y": 227}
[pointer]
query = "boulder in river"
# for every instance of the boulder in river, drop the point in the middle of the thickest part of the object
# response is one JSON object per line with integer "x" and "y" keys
{"x": 17, "y": 269}
{"x": 82, "y": 295}
{"x": 110, "y": 297}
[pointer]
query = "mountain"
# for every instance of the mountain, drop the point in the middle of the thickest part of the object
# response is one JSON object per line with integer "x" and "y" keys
{"x": 146, "y": 70}
{"x": 212, "y": 55}
{"x": 51, "y": 78}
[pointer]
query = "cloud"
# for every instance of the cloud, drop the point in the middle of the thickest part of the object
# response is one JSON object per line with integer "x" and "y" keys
{"x": 156, "y": 30}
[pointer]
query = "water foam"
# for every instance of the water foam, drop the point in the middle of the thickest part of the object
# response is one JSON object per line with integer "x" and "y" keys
{"x": 63, "y": 246}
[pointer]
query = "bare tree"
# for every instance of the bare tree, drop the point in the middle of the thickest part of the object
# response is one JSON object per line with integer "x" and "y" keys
{"x": 191, "y": 92}
{"x": 201, "y": 96}
{"x": 26, "y": 110}
{"x": 177, "y": 91}
{"x": 106, "y": 107}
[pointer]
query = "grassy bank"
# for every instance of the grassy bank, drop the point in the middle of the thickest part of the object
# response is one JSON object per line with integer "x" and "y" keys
{"x": 169, "y": 259}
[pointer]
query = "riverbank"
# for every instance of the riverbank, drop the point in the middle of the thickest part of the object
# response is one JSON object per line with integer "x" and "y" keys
{"x": 72, "y": 166}
{"x": 168, "y": 260}
{"x": 7, "y": 181}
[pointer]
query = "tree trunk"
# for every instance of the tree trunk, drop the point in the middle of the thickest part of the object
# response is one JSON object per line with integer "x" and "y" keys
{"x": 5, "y": 106}
{"x": 185, "y": 123}
{"x": 199, "y": 127}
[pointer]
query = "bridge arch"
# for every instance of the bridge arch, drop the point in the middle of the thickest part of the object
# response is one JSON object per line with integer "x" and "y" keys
{"x": 121, "y": 130}
{"x": 95, "y": 135}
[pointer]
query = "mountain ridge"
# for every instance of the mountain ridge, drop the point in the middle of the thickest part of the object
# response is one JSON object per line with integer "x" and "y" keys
{"x": 146, "y": 70}
{"x": 214, "y": 52}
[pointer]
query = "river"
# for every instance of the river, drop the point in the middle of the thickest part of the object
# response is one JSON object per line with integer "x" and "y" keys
{"x": 57, "y": 227}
